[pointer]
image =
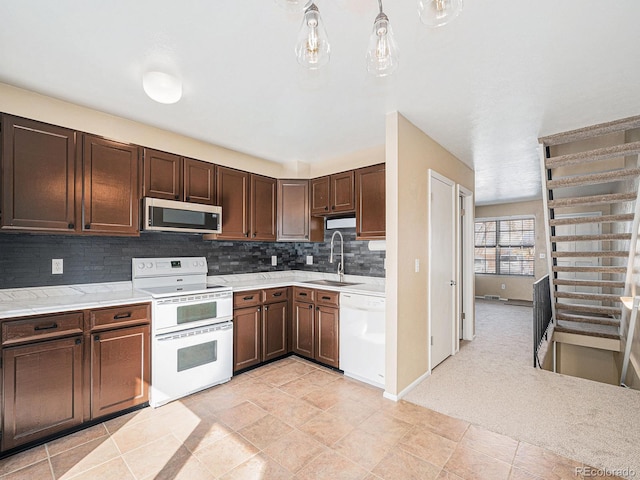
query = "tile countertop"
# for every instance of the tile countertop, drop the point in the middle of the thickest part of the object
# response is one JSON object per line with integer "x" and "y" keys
{"x": 22, "y": 302}
{"x": 374, "y": 286}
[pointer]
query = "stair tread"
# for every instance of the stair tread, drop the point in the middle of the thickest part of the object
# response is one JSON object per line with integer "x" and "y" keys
{"x": 589, "y": 296}
{"x": 600, "y": 269}
{"x": 578, "y": 308}
{"x": 592, "y": 200}
{"x": 601, "y": 253}
{"x": 621, "y": 217}
{"x": 590, "y": 329}
{"x": 598, "y": 236}
{"x": 591, "y": 131}
{"x": 593, "y": 178}
{"x": 589, "y": 283}
{"x": 568, "y": 317}
{"x": 595, "y": 155}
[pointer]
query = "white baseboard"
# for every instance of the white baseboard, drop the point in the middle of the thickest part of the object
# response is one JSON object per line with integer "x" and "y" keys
{"x": 404, "y": 392}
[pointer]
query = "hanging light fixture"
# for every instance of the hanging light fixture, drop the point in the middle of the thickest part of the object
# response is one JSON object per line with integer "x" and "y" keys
{"x": 435, "y": 13}
{"x": 294, "y": 6}
{"x": 382, "y": 55}
{"x": 312, "y": 47}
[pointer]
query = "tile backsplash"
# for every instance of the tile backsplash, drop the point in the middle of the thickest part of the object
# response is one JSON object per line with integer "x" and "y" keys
{"x": 25, "y": 259}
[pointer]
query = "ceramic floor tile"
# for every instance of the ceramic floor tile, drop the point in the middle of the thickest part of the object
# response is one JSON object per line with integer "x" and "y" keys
{"x": 322, "y": 377}
{"x": 189, "y": 468}
{"x": 294, "y": 411}
{"x": 141, "y": 433}
{"x": 294, "y": 450}
{"x": 331, "y": 465}
{"x": 258, "y": 467}
{"x": 151, "y": 459}
{"x": 22, "y": 459}
{"x": 265, "y": 431}
{"x": 352, "y": 411}
{"x": 226, "y": 454}
{"x": 490, "y": 443}
{"x": 241, "y": 415}
{"x": 83, "y": 457}
{"x": 78, "y": 438}
{"x": 443, "y": 425}
{"x": 362, "y": 447}
{"x": 326, "y": 428}
{"x": 428, "y": 445}
{"x": 36, "y": 471}
{"x": 279, "y": 377}
{"x": 386, "y": 428}
{"x": 472, "y": 465}
{"x": 199, "y": 432}
{"x": 115, "y": 468}
{"x": 444, "y": 475}
{"x": 398, "y": 464}
{"x": 324, "y": 398}
{"x": 544, "y": 463}
{"x": 517, "y": 474}
{"x": 299, "y": 387}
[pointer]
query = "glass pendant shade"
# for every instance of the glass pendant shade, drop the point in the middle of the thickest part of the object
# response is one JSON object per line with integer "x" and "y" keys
{"x": 382, "y": 55}
{"x": 312, "y": 48}
{"x": 435, "y": 13}
{"x": 294, "y": 6}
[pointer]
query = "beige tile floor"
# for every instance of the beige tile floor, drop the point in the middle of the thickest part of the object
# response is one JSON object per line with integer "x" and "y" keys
{"x": 291, "y": 419}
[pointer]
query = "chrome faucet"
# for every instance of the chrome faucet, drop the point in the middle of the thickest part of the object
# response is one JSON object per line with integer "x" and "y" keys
{"x": 341, "y": 262}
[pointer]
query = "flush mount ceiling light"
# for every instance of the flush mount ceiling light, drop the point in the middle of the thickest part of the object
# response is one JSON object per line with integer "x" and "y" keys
{"x": 435, "y": 13}
{"x": 382, "y": 57}
{"x": 162, "y": 87}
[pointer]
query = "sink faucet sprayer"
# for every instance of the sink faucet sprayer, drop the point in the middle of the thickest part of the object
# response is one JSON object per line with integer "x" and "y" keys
{"x": 341, "y": 262}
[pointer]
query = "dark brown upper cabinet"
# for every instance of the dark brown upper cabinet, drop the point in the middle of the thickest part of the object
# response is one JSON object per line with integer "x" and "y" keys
{"x": 333, "y": 194}
{"x": 38, "y": 176}
{"x": 370, "y": 202}
{"x": 173, "y": 177}
{"x": 248, "y": 204}
{"x": 110, "y": 185}
{"x": 295, "y": 223}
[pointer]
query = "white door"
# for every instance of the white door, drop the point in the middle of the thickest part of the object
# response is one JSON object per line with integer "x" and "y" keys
{"x": 442, "y": 267}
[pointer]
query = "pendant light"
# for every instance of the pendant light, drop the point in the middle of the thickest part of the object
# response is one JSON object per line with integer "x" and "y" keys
{"x": 435, "y": 13}
{"x": 382, "y": 55}
{"x": 312, "y": 48}
{"x": 294, "y": 6}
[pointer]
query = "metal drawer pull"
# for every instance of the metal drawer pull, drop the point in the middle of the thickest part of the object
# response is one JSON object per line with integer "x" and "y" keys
{"x": 302, "y": 294}
{"x": 248, "y": 298}
{"x": 46, "y": 327}
{"x": 326, "y": 298}
{"x": 279, "y": 294}
{"x": 120, "y": 316}
{"x": 78, "y": 341}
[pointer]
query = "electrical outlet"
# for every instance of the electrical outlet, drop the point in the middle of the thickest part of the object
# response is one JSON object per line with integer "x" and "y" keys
{"x": 503, "y": 286}
{"x": 309, "y": 259}
{"x": 417, "y": 265}
{"x": 543, "y": 255}
{"x": 274, "y": 260}
{"x": 56, "y": 266}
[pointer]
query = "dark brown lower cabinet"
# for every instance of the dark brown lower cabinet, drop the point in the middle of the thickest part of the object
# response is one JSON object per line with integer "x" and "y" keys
{"x": 42, "y": 386}
{"x": 119, "y": 369}
{"x": 246, "y": 337}
{"x": 274, "y": 330}
{"x": 303, "y": 329}
{"x": 327, "y": 326}
{"x": 316, "y": 325}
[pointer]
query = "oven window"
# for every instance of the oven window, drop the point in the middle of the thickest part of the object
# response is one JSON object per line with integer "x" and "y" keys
{"x": 197, "y": 355}
{"x": 194, "y": 313}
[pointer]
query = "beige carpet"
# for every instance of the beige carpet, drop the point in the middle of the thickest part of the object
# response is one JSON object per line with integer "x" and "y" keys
{"x": 491, "y": 383}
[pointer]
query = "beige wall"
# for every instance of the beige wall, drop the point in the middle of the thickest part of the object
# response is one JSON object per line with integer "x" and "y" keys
{"x": 585, "y": 362}
{"x": 519, "y": 288}
{"x": 410, "y": 153}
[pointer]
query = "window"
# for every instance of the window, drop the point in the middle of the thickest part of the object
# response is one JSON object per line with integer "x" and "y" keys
{"x": 505, "y": 246}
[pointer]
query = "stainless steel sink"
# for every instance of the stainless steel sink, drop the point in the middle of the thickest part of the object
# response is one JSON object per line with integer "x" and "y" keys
{"x": 331, "y": 283}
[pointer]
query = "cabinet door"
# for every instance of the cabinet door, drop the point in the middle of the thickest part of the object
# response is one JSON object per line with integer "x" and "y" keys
{"x": 119, "y": 369}
{"x": 293, "y": 210}
{"x": 263, "y": 208}
{"x": 370, "y": 202}
{"x": 54, "y": 367}
{"x": 232, "y": 192}
{"x": 303, "y": 329}
{"x": 162, "y": 175}
{"x": 327, "y": 334}
{"x": 38, "y": 176}
{"x": 342, "y": 192}
{"x": 319, "y": 195}
{"x": 199, "y": 181}
{"x": 246, "y": 337}
{"x": 274, "y": 330}
{"x": 110, "y": 201}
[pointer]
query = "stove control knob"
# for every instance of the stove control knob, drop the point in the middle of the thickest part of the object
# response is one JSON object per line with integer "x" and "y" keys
{"x": 201, "y": 263}
{"x": 149, "y": 265}
{"x": 195, "y": 264}
{"x": 140, "y": 266}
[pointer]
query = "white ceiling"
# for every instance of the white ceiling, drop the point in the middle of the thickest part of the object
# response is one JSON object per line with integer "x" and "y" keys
{"x": 485, "y": 87}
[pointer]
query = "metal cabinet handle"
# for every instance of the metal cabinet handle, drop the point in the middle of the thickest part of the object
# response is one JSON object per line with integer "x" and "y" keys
{"x": 259, "y": 308}
{"x": 46, "y": 327}
{"x": 78, "y": 341}
{"x": 326, "y": 298}
{"x": 318, "y": 308}
{"x": 266, "y": 307}
{"x": 250, "y": 297}
{"x": 177, "y": 197}
{"x": 246, "y": 234}
{"x": 188, "y": 199}
{"x": 71, "y": 226}
{"x": 96, "y": 338}
{"x": 120, "y": 316}
{"x": 310, "y": 306}
{"x": 279, "y": 294}
{"x": 302, "y": 294}
{"x": 254, "y": 234}
{"x": 326, "y": 208}
{"x": 87, "y": 226}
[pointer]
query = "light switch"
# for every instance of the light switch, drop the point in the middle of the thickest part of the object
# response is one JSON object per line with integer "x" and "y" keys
{"x": 274, "y": 260}
{"x": 417, "y": 266}
{"x": 309, "y": 259}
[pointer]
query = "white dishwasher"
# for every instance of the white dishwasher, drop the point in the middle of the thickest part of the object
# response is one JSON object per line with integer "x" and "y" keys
{"x": 362, "y": 337}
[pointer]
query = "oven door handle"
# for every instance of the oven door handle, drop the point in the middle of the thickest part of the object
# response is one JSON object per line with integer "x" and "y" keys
{"x": 221, "y": 327}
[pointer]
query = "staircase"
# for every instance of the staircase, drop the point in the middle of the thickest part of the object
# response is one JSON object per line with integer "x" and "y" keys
{"x": 591, "y": 182}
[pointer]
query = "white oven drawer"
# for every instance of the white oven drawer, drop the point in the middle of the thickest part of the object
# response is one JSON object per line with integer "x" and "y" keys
{"x": 190, "y": 311}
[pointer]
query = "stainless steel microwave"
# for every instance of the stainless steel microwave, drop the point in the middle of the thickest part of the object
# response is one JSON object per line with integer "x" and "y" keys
{"x": 171, "y": 216}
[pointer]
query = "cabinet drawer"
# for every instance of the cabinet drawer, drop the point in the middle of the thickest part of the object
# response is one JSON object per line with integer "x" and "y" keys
{"x": 303, "y": 294}
{"x": 41, "y": 328}
{"x": 119, "y": 316}
{"x": 325, "y": 297}
{"x": 274, "y": 295}
{"x": 247, "y": 299}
